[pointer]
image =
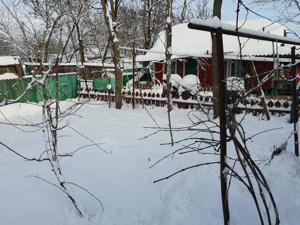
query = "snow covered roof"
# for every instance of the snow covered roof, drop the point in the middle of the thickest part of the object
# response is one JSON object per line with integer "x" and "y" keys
{"x": 9, "y": 60}
{"x": 189, "y": 42}
{"x": 90, "y": 63}
{"x": 127, "y": 63}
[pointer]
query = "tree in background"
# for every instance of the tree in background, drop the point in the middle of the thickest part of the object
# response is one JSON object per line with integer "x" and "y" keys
{"x": 110, "y": 13}
{"x": 190, "y": 9}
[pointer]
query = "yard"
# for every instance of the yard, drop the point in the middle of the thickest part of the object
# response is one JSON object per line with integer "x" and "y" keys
{"x": 118, "y": 171}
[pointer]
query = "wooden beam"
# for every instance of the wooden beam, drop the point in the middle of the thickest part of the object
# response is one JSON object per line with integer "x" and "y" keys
{"x": 223, "y": 124}
{"x": 294, "y": 113}
{"x": 246, "y": 33}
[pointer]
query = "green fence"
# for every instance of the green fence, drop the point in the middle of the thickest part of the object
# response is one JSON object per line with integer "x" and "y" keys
{"x": 12, "y": 89}
{"x": 102, "y": 82}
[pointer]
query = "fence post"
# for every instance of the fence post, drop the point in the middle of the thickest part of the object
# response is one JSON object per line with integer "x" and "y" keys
{"x": 222, "y": 117}
{"x": 133, "y": 73}
{"x": 294, "y": 113}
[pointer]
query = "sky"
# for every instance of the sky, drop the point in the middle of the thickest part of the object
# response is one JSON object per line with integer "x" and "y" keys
{"x": 268, "y": 11}
{"x": 229, "y": 10}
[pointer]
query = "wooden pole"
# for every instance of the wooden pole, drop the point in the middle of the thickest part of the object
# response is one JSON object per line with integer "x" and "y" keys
{"x": 294, "y": 113}
{"x": 133, "y": 74}
{"x": 222, "y": 118}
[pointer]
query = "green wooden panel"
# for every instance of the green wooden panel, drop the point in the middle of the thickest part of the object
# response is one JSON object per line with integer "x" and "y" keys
{"x": 101, "y": 83}
{"x": 12, "y": 89}
{"x": 191, "y": 66}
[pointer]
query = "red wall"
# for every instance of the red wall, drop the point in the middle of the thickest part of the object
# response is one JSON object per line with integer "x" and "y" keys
{"x": 205, "y": 73}
{"x": 262, "y": 68}
{"x": 159, "y": 71}
{"x": 180, "y": 67}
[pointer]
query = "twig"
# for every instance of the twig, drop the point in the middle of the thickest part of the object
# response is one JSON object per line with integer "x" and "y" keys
{"x": 187, "y": 168}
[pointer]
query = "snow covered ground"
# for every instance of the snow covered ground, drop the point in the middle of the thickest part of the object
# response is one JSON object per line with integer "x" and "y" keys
{"x": 122, "y": 178}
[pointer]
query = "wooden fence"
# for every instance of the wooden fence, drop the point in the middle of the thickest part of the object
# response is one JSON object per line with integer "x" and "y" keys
{"x": 186, "y": 101}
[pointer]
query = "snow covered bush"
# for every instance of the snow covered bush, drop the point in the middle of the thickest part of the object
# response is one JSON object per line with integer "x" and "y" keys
{"x": 175, "y": 80}
{"x": 189, "y": 83}
{"x": 235, "y": 84}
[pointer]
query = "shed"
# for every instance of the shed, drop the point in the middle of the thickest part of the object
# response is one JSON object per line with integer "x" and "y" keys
{"x": 11, "y": 64}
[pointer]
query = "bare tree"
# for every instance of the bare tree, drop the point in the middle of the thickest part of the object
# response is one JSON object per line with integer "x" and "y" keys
{"x": 51, "y": 13}
{"x": 168, "y": 53}
{"x": 288, "y": 12}
{"x": 110, "y": 12}
{"x": 189, "y": 9}
{"x": 36, "y": 41}
{"x": 52, "y": 123}
{"x": 153, "y": 11}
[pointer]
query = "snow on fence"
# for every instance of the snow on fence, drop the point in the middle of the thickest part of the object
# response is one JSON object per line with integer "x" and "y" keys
{"x": 186, "y": 101}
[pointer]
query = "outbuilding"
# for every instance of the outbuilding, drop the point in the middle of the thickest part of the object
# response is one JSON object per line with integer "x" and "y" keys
{"x": 11, "y": 65}
{"x": 191, "y": 53}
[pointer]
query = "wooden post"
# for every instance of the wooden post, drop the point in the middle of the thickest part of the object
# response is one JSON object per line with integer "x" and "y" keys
{"x": 133, "y": 74}
{"x": 222, "y": 118}
{"x": 294, "y": 113}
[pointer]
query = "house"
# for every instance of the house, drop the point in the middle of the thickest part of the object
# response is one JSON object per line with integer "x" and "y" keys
{"x": 191, "y": 53}
{"x": 11, "y": 65}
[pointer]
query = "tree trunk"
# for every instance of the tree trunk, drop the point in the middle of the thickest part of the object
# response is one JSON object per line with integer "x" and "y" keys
{"x": 110, "y": 20}
{"x": 169, "y": 62}
{"x": 147, "y": 23}
{"x": 81, "y": 54}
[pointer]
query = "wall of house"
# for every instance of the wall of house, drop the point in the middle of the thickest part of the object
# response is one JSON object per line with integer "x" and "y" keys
{"x": 191, "y": 66}
{"x": 205, "y": 72}
{"x": 180, "y": 67}
{"x": 8, "y": 69}
{"x": 158, "y": 71}
{"x": 16, "y": 69}
{"x": 262, "y": 69}
{"x": 203, "y": 69}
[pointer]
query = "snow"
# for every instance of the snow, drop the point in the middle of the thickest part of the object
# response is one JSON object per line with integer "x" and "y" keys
{"x": 129, "y": 84}
{"x": 8, "y": 76}
{"x": 108, "y": 87}
{"x": 189, "y": 42}
{"x": 168, "y": 20}
{"x": 9, "y": 60}
{"x": 175, "y": 80}
{"x": 235, "y": 84}
{"x": 191, "y": 83}
{"x": 123, "y": 180}
{"x": 215, "y": 22}
{"x": 97, "y": 63}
